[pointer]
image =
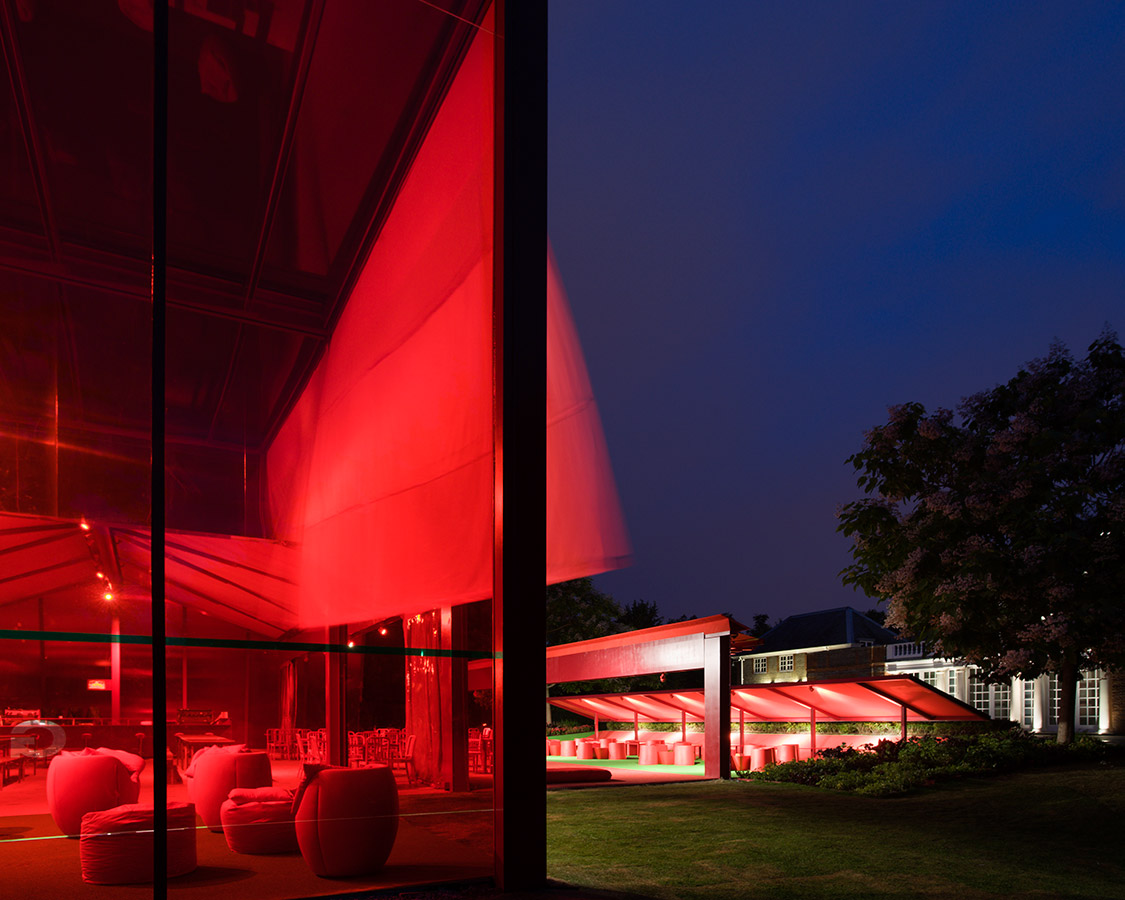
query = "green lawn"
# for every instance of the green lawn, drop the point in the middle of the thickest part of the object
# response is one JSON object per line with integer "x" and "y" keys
{"x": 1049, "y": 833}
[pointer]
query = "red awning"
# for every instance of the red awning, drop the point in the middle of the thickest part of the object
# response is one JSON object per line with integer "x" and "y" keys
{"x": 877, "y": 699}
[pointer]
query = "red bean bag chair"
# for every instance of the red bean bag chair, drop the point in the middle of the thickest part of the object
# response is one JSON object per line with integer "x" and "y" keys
{"x": 83, "y": 781}
{"x": 347, "y": 819}
{"x": 259, "y": 820}
{"x": 216, "y": 771}
{"x": 116, "y": 846}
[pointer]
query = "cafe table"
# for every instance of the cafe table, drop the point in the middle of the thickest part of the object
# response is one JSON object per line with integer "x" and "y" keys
{"x": 189, "y": 743}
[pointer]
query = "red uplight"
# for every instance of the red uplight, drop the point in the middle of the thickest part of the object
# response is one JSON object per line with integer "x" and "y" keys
{"x": 383, "y": 631}
{"x": 83, "y": 525}
{"x": 351, "y": 643}
{"x": 108, "y": 595}
{"x": 99, "y": 574}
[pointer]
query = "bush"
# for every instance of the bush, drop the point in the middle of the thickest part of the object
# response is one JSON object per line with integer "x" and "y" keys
{"x": 896, "y": 767}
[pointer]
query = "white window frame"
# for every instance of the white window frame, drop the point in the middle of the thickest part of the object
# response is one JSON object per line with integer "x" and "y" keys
{"x": 761, "y": 665}
{"x": 785, "y": 663}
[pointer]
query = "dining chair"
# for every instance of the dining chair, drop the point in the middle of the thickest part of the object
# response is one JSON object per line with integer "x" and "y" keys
{"x": 405, "y": 758}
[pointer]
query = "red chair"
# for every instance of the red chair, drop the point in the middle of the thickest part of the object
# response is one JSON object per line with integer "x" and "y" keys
{"x": 259, "y": 820}
{"x": 215, "y": 772}
{"x": 347, "y": 820}
{"x": 88, "y": 780}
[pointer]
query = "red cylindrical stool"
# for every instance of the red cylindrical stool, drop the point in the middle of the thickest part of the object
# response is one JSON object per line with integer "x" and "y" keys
{"x": 649, "y": 754}
{"x": 555, "y": 747}
{"x": 347, "y": 820}
{"x": 667, "y": 757}
{"x": 760, "y": 757}
{"x": 566, "y": 748}
{"x": 585, "y": 750}
{"x": 785, "y": 752}
{"x": 617, "y": 751}
{"x": 683, "y": 755}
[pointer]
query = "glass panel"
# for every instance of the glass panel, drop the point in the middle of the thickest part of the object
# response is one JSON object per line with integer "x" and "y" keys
{"x": 75, "y": 443}
{"x": 329, "y": 531}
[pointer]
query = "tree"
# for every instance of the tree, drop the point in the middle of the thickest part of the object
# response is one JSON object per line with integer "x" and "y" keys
{"x": 761, "y": 624}
{"x": 578, "y": 611}
{"x": 639, "y": 614}
{"x": 998, "y": 536}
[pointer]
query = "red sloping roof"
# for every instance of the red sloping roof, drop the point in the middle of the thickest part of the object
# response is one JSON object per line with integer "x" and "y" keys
{"x": 875, "y": 699}
{"x": 706, "y": 625}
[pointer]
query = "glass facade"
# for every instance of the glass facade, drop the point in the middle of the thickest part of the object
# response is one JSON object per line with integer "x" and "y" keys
{"x": 326, "y": 429}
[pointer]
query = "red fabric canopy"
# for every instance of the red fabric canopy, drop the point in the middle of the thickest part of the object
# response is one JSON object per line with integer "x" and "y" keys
{"x": 381, "y": 476}
{"x": 876, "y": 699}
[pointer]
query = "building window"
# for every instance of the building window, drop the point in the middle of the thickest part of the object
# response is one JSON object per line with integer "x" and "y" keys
{"x": 951, "y": 679}
{"x": 978, "y": 693}
{"x": 1089, "y": 700}
{"x": 1002, "y": 701}
{"x": 929, "y": 678}
{"x": 1053, "y": 695}
{"x": 785, "y": 663}
{"x": 1028, "y": 720}
{"x": 994, "y": 699}
{"x": 760, "y": 665}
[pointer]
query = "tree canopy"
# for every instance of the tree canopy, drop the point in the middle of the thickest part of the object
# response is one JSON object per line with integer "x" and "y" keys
{"x": 998, "y": 534}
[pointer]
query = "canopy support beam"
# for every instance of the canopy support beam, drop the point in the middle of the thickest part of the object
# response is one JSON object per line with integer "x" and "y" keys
{"x": 716, "y": 706}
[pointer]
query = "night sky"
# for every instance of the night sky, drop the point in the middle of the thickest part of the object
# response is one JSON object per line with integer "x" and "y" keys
{"x": 774, "y": 220}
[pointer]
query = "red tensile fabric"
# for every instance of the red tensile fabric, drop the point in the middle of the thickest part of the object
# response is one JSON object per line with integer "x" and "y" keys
{"x": 382, "y": 474}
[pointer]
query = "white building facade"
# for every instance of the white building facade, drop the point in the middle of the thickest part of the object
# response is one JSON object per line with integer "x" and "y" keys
{"x": 1033, "y": 703}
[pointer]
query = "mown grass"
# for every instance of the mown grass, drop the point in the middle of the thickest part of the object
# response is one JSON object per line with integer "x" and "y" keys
{"x": 1046, "y": 833}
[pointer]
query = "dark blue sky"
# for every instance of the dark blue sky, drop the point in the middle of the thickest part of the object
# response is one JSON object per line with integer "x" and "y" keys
{"x": 776, "y": 219}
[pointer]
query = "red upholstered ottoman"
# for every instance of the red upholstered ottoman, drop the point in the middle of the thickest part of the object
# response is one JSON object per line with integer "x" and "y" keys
{"x": 259, "y": 820}
{"x": 116, "y": 846}
{"x": 347, "y": 820}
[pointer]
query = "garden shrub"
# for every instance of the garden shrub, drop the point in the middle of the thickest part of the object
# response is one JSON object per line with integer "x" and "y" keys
{"x": 896, "y": 767}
